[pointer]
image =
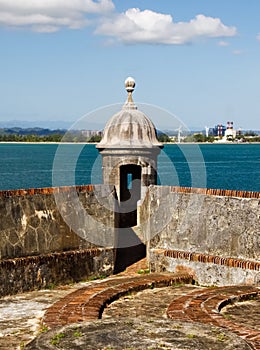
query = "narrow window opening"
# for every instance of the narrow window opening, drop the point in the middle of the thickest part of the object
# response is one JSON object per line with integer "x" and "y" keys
{"x": 129, "y": 181}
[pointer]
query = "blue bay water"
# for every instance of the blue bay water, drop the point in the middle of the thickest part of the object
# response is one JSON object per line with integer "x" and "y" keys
{"x": 232, "y": 166}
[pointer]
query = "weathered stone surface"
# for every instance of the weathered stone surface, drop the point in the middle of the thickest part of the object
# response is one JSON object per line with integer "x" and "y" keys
{"x": 43, "y": 221}
{"x": 199, "y": 221}
{"x": 20, "y": 315}
{"x": 244, "y": 313}
{"x": 36, "y": 272}
{"x": 38, "y": 224}
{"x": 223, "y": 226}
{"x": 218, "y": 272}
{"x": 132, "y": 333}
{"x": 135, "y": 321}
{"x": 20, "y": 321}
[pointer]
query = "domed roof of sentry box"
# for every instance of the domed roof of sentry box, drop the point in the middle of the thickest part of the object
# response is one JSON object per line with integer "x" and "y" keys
{"x": 129, "y": 128}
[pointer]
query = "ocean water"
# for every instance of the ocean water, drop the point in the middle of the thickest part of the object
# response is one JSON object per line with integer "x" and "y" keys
{"x": 224, "y": 166}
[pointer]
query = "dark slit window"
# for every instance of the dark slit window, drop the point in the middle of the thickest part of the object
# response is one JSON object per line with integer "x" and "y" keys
{"x": 129, "y": 181}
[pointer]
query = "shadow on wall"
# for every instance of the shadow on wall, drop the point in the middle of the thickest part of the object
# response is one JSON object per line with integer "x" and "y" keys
{"x": 129, "y": 249}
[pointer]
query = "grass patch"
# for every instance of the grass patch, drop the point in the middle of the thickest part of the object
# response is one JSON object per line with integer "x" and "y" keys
{"x": 221, "y": 337}
{"x": 94, "y": 278}
{"x": 43, "y": 329}
{"x": 177, "y": 285}
{"x": 227, "y": 316}
{"x": 51, "y": 286}
{"x": 191, "y": 336}
{"x": 143, "y": 271}
{"x": 57, "y": 338}
{"x": 77, "y": 334}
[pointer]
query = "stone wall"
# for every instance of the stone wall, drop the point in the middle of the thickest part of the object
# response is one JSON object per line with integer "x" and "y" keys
{"x": 41, "y": 221}
{"x": 48, "y": 270}
{"x": 206, "y": 269}
{"x": 219, "y": 223}
{"x": 50, "y": 236}
{"x": 40, "y": 230}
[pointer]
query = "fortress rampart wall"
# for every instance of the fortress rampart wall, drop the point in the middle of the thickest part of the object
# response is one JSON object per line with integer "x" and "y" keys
{"x": 46, "y": 220}
{"x": 57, "y": 235}
{"x": 49, "y": 270}
{"x": 222, "y": 227}
{"x": 38, "y": 245}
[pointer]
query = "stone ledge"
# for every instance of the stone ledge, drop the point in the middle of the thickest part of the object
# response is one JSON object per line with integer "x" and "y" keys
{"x": 216, "y": 192}
{"x": 47, "y": 190}
{"x": 204, "y": 258}
{"x": 90, "y": 188}
{"x": 37, "y": 272}
{"x": 22, "y": 261}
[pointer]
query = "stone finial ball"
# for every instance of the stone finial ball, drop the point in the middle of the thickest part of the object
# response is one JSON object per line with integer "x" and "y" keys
{"x": 129, "y": 84}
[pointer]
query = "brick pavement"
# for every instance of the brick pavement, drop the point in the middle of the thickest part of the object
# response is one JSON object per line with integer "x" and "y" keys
{"x": 88, "y": 303}
{"x": 202, "y": 305}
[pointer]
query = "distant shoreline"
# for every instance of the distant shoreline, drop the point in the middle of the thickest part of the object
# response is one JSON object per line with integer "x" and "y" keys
{"x": 210, "y": 143}
{"x": 47, "y": 143}
{"x": 95, "y": 143}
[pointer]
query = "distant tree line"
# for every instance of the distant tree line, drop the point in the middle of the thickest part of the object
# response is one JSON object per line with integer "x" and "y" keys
{"x": 199, "y": 137}
{"x": 76, "y": 136}
{"x": 30, "y": 138}
{"x": 47, "y": 135}
{"x": 31, "y": 131}
{"x": 68, "y": 137}
{"x": 162, "y": 137}
{"x": 44, "y": 135}
{"x": 189, "y": 138}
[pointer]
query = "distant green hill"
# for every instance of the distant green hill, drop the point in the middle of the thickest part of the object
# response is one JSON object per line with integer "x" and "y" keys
{"x": 31, "y": 131}
{"x": 17, "y": 134}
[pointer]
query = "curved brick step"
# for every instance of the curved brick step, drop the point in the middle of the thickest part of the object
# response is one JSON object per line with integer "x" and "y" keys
{"x": 134, "y": 268}
{"x": 88, "y": 303}
{"x": 205, "y": 305}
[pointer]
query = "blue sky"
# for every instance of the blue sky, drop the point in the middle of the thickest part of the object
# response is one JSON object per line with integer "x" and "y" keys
{"x": 200, "y": 60}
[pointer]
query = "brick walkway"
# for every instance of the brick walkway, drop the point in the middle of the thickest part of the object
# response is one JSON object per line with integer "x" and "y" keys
{"x": 88, "y": 303}
{"x": 204, "y": 306}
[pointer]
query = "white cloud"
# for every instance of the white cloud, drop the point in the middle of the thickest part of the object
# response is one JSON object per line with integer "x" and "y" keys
{"x": 136, "y": 26}
{"x": 50, "y": 15}
{"x": 223, "y": 43}
{"x": 258, "y": 37}
{"x": 132, "y": 26}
